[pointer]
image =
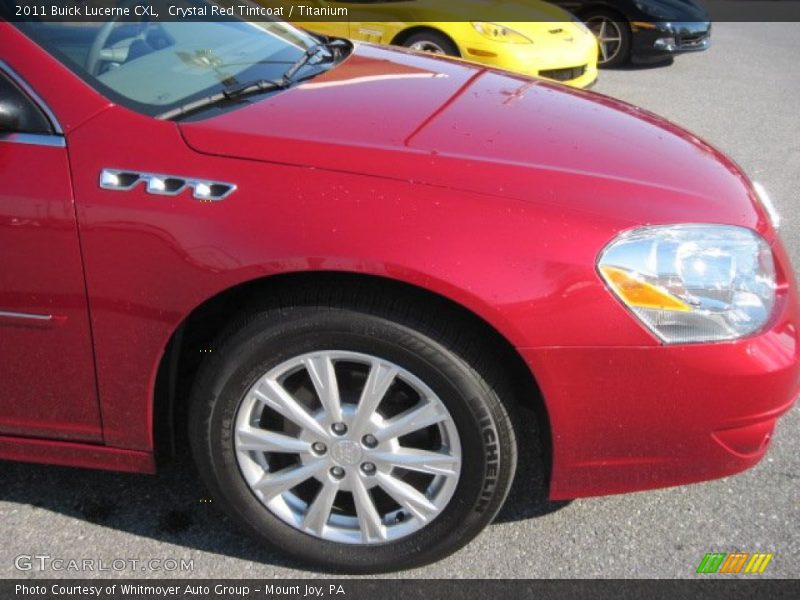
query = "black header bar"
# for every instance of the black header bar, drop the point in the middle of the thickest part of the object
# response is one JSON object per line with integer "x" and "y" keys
{"x": 376, "y": 11}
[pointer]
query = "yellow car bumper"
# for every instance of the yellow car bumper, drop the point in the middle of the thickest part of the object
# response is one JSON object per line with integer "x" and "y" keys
{"x": 574, "y": 65}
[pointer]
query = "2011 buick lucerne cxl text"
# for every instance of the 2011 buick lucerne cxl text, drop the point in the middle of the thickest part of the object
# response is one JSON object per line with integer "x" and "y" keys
{"x": 338, "y": 271}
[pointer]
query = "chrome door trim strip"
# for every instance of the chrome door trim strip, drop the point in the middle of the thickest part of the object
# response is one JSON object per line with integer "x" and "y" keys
{"x": 18, "y": 315}
{"x": 34, "y": 139}
{"x": 4, "y": 66}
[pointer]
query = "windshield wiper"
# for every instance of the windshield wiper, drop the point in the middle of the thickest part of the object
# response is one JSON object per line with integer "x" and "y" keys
{"x": 288, "y": 78}
{"x": 259, "y": 86}
{"x": 254, "y": 87}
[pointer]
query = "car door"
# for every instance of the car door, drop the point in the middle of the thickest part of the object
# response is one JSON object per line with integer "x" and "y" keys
{"x": 47, "y": 380}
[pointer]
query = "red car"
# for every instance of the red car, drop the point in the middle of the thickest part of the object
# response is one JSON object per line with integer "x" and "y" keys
{"x": 337, "y": 272}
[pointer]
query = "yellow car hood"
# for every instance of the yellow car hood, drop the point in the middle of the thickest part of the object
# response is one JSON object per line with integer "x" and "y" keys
{"x": 493, "y": 11}
{"x": 545, "y": 31}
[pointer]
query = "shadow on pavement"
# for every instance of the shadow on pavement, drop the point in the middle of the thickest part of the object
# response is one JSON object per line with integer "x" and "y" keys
{"x": 173, "y": 506}
{"x": 631, "y": 66}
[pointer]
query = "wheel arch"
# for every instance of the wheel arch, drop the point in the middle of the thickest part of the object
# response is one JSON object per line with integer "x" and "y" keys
{"x": 193, "y": 337}
{"x": 400, "y": 38}
{"x": 602, "y": 6}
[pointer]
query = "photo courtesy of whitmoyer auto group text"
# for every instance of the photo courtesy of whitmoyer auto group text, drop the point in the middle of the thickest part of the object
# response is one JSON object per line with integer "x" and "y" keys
{"x": 399, "y": 299}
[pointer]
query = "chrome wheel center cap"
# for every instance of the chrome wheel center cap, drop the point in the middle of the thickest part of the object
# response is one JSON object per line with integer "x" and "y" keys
{"x": 346, "y": 453}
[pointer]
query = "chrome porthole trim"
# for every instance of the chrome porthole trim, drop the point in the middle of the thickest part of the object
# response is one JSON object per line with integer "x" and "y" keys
{"x": 17, "y": 78}
{"x": 123, "y": 180}
{"x": 336, "y": 460}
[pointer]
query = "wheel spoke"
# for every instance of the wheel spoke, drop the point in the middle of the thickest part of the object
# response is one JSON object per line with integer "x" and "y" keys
{"x": 279, "y": 400}
{"x": 261, "y": 440}
{"x": 407, "y": 496}
{"x": 320, "y": 509}
{"x": 323, "y": 375}
{"x": 369, "y": 520}
{"x": 272, "y": 484}
{"x": 609, "y": 37}
{"x": 336, "y": 447}
{"x": 419, "y": 460}
{"x": 414, "y": 419}
{"x": 379, "y": 380}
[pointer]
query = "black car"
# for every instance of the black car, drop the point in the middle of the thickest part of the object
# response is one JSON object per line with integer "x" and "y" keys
{"x": 642, "y": 31}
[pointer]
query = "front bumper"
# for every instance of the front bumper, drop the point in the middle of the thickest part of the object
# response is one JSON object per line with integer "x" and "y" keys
{"x": 634, "y": 418}
{"x": 668, "y": 39}
{"x": 573, "y": 64}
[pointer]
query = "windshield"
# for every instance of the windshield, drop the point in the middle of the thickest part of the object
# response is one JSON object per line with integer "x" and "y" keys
{"x": 156, "y": 67}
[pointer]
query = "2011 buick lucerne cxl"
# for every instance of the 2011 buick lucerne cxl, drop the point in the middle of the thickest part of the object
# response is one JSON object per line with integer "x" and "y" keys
{"x": 338, "y": 271}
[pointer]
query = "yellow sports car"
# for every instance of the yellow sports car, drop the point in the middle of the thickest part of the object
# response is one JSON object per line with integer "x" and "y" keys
{"x": 549, "y": 43}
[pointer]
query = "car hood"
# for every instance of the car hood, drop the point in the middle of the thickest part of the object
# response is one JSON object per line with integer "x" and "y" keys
{"x": 674, "y": 10}
{"x": 397, "y": 114}
{"x": 518, "y": 11}
{"x": 552, "y": 32}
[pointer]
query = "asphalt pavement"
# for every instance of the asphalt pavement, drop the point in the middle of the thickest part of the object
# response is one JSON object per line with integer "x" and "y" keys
{"x": 741, "y": 96}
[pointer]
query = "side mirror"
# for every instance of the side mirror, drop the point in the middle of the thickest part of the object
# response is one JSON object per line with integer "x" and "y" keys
{"x": 9, "y": 117}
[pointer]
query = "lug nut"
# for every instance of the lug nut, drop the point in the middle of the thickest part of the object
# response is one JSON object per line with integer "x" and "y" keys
{"x": 337, "y": 472}
{"x": 319, "y": 448}
{"x": 339, "y": 428}
{"x": 368, "y": 468}
{"x": 369, "y": 440}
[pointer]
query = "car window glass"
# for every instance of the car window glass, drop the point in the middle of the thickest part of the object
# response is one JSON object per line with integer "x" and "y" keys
{"x": 29, "y": 117}
{"x": 153, "y": 67}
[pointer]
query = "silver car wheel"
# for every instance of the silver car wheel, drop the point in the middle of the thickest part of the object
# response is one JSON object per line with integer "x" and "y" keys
{"x": 347, "y": 447}
{"x": 609, "y": 37}
{"x": 427, "y": 46}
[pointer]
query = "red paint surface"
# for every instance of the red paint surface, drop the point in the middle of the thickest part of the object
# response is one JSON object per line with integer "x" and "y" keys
{"x": 491, "y": 190}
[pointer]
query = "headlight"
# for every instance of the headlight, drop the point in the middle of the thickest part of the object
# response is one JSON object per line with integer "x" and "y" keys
{"x": 693, "y": 283}
{"x": 500, "y": 33}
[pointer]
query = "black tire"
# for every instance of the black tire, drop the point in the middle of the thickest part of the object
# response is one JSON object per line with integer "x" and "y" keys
{"x": 438, "y": 43}
{"x": 443, "y": 356}
{"x": 622, "y": 55}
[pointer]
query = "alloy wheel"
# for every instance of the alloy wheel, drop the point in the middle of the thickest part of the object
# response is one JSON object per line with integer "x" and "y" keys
{"x": 609, "y": 37}
{"x": 427, "y": 46}
{"x": 347, "y": 447}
